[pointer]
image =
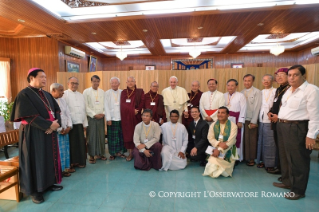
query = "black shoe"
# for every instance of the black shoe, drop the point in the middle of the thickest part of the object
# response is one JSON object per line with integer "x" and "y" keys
{"x": 275, "y": 171}
{"x": 281, "y": 185}
{"x": 237, "y": 162}
{"x": 56, "y": 188}
{"x": 203, "y": 163}
{"x": 293, "y": 196}
{"x": 279, "y": 179}
{"x": 37, "y": 199}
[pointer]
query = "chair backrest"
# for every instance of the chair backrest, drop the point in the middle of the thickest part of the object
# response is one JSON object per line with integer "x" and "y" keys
{"x": 7, "y": 138}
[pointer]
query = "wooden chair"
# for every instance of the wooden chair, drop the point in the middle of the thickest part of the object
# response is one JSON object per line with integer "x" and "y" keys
{"x": 8, "y": 138}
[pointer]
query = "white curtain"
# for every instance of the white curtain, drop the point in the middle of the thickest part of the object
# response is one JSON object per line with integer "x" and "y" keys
{"x": 5, "y": 84}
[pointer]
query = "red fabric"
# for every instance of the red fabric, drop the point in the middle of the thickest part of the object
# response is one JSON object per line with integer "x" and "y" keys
{"x": 155, "y": 108}
{"x": 238, "y": 138}
{"x": 195, "y": 103}
{"x": 32, "y": 69}
{"x": 210, "y": 112}
{"x": 128, "y": 118}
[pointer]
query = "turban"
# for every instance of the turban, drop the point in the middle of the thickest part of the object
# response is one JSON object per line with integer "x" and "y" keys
{"x": 282, "y": 70}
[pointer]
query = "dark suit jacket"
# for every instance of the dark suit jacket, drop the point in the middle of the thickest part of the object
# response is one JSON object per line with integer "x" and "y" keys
{"x": 201, "y": 131}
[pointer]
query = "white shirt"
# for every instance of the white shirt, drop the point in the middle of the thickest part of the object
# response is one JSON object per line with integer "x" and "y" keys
{"x": 268, "y": 96}
{"x": 94, "y": 100}
{"x": 236, "y": 103}
{"x": 76, "y": 104}
{"x": 211, "y": 101}
{"x": 303, "y": 104}
{"x": 112, "y": 105}
{"x": 253, "y": 104}
{"x": 66, "y": 120}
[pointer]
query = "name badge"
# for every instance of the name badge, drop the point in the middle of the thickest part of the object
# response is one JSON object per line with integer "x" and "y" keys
{"x": 173, "y": 139}
{"x": 189, "y": 105}
{"x": 194, "y": 137}
{"x": 96, "y": 102}
{"x": 152, "y": 103}
{"x": 146, "y": 140}
{"x": 116, "y": 103}
{"x": 128, "y": 100}
{"x": 275, "y": 100}
{"x": 221, "y": 137}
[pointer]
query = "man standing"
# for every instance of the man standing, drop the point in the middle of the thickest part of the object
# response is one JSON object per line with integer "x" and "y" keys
{"x": 56, "y": 90}
{"x": 132, "y": 100}
{"x": 236, "y": 104}
{"x": 297, "y": 129}
{"x": 113, "y": 118}
{"x": 154, "y": 101}
{"x": 175, "y": 139}
{"x": 194, "y": 97}
{"x": 38, "y": 146}
{"x": 253, "y": 102}
{"x": 147, "y": 151}
{"x": 282, "y": 80}
{"x": 266, "y": 154}
{"x": 175, "y": 98}
{"x": 222, "y": 136}
{"x": 76, "y": 104}
{"x": 94, "y": 104}
{"x": 210, "y": 102}
{"x": 197, "y": 137}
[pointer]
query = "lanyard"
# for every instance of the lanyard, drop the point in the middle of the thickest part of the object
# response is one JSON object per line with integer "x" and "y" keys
{"x": 116, "y": 97}
{"x": 266, "y": 99}
{"x": 96, "y": 95}
{"x": 149, "y": 128}
{"x": 174, "y": 130}
{"x": 128, "y": 96}
{"x": 193, "y": 97}
{"x": 247, "y": 95}
{"x": 230, "y": 98}
{"x": 154, "y": 97}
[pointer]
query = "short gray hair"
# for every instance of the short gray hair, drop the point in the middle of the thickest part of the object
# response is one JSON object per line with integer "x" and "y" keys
{"x": 55, "y": 86}
{"x": 115, "y": 78}
{"x": 154, "y": 82}
{"x": 197, "y": 82}
{"x": 269, "y": 75}
{"x": 131, "y": 77}
{"x": 74, "y": 78}
{"x": 174, "y": 77}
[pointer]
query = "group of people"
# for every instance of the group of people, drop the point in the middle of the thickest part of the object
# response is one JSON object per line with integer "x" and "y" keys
{"x": 276, "y": 128}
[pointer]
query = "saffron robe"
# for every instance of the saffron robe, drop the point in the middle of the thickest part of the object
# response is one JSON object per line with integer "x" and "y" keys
{"x": 158, "y": 109}
{"x": 128, "y": 118}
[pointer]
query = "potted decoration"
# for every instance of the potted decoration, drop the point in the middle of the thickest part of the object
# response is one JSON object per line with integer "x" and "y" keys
{"x": 5, "y": 111}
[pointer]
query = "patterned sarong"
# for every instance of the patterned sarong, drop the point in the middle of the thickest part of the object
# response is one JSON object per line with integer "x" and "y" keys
{"x": 64, "y": 147}
{"x": 115, "y": 138}
{"x": 96, "y": 137}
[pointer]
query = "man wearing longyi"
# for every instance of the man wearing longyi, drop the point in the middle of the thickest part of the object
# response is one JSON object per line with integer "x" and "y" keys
{"x": 39, "y": 159}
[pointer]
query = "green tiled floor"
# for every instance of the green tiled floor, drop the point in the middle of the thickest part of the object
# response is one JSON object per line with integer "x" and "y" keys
{"x": 116, "y": 186}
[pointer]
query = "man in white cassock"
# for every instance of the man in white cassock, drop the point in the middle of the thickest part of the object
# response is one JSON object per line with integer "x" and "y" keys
{"x": 175, "y": 98}
{"x": 175, "y": 140}
{"x": 222, "y": 136}
{"x": 236, "y": 104}
{"x": 76, "y": 104}
{"x": 210, "y": 101}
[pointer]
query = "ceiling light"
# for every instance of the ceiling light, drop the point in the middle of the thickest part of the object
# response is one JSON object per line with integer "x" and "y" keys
{"x": 93, "y": 33}
{"x": 121, "y": 55}
{"x": 144, "y": 30}
{"x": 21, "y": 20}
{"x": 243, "y": 6}
{"x": 194, "y": 52}
{"x": 200, "y": 27}
{"x": 260, "y": 24}
{"x": 277, "y": 50}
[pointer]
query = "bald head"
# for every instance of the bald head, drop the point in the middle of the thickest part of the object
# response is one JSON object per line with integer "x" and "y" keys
{"x": 195, "y": 86}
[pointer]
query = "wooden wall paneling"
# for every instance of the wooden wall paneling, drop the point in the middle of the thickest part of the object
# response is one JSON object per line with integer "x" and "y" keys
{"x": 310, "y": 73}
{"x": 144, "y": 78}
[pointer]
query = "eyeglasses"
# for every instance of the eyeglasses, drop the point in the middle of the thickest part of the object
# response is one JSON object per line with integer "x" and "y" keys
{"x": 74, "y": 83}
{"x": 281, "y": 75}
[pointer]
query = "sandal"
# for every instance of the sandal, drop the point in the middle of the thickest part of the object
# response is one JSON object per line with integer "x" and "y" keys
{"x": 112, "y": 157}
{"x": 92, "y": 161}
{"x": 71, "y": 170}
{"x": 129, "y": 158}
{"x": 66, "y": 174}
{"x": 120, "y": 155}
{"x": 261, "y": 165}
{"x": 103, "y": 158}
{"x": 250, "y": 163}
{"x": 81, "y": 166}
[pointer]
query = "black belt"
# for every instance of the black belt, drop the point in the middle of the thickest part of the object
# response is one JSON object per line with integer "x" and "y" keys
{"x": 292, "y": 121}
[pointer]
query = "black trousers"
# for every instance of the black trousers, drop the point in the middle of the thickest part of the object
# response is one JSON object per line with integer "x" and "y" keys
{"x": 277, "y": 148}
{"x": 294, "y": 157}
{"x": 201, "y": 155}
